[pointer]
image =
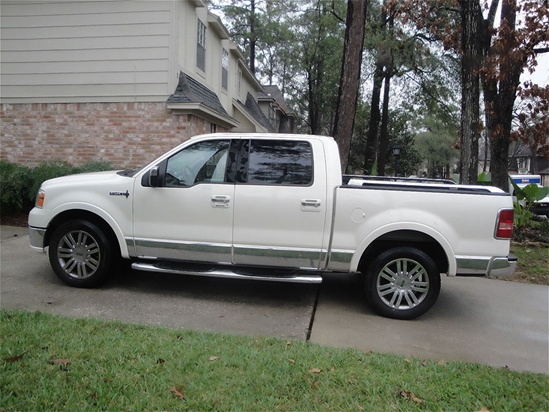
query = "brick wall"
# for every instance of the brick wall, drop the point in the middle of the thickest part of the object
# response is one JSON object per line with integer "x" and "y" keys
{"x": 124, "y": 134}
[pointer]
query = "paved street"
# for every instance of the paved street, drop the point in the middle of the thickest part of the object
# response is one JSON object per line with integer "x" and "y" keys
{"x": 478, "y": 320}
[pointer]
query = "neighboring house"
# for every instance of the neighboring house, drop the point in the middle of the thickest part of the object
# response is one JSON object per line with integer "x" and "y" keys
{"x": 524, "y": 160}
{"x": 122, "y": 81}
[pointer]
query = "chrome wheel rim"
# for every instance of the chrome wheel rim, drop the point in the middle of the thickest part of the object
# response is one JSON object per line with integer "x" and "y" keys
{"x": 402, "y": 284}
{"x": 78, "y": 254}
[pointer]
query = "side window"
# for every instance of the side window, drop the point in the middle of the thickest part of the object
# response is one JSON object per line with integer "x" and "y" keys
{"x": 203, "y": 162}
{"x": 280, "y": 162}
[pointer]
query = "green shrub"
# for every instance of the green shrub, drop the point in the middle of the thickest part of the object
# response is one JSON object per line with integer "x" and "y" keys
{"x": 19, "y": 184}
{"x": 15, "y": 181}
{"x": 49, "y": 170}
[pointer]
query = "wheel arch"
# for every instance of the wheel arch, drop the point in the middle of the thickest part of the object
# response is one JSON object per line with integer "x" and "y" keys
{"x": 434, "y": 245}
{"x": 113, "y": 232}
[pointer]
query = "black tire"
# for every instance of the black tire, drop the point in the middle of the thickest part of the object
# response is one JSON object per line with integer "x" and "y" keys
{"x": 80, "y": 253}
{"x": 402, "y": 283}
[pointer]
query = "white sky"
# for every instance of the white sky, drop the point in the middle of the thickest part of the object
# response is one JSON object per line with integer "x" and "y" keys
{"x": 541, "y": 75}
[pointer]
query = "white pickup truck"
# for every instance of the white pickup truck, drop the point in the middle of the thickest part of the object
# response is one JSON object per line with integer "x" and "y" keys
{"x": 273, "y": 207}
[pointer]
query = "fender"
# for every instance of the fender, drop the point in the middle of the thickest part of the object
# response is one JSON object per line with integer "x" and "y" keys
{"x": 67, "y": 207}
{"x": 412, "y": 226}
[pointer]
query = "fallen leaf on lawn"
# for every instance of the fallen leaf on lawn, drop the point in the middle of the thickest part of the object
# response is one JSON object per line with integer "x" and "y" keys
{"x": 411, "y": 397}
{"x": 160, "y": 360}
{"x": 214, "y": 358}
{"x": 441, "y": 362}
{"x": 315, "y": 384}
{"x": 291, "y": 360}
{"x": 288, "y": 342}
{"x": 360, "y": 408}
{"x": 351, "y": 382}
{"x": 424, "y": 362}
{"x": 315, "y": 370}
{"x": 407, "y": 361}
{"x": 483, "y": 409}
{"x": 63, "y": 362}
{"x": 15, "y": 358}
{"x": 178, "y": 392}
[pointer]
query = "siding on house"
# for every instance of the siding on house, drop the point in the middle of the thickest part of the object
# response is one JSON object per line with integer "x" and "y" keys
{"x": 107, "y": 51}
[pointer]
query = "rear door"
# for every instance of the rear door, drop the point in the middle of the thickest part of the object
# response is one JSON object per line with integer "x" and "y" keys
{"x": 280, "y": 207}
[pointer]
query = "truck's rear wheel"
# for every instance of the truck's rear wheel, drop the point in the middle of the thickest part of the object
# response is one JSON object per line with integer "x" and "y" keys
{"x": 80, "y": 254}
{"x": 402, "y": 283}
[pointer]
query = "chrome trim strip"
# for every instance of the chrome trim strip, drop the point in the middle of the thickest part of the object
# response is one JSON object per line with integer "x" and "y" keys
{"x": 341, "y": 256}
{"x": 130, "y": 244}
{"x": 36, "y": 237}
{"x": 482, "y": 266}
{"x": 195, "y": 251}
{"x": 502, "y": 266}
{"x": 472, "y": 265}
{"x": 225, "y": 273}
{"x": 277, "y": 256}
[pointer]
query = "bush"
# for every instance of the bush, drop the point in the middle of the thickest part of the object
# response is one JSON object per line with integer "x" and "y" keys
{"x": 15, "y": 182}
{"x": 19, "y": 184}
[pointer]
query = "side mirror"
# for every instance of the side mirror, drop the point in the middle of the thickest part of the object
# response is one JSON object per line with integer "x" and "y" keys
{"x": 153, "y": 177}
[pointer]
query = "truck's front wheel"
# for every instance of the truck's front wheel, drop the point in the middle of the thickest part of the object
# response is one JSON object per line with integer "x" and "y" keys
{"x": 80, "y": 254}
{"x": 402, "y": 283}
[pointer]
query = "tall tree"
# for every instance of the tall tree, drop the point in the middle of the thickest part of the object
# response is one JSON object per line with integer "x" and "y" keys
{"x": 350, "y": 77}
{"x": 509, "y": 50}
{"x": 471, "y": 60}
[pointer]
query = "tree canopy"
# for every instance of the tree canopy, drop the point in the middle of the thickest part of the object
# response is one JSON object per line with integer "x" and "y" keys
{"x": 451, "y": 68}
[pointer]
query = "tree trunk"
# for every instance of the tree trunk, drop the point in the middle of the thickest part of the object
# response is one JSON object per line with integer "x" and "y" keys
{"x": 349, "y": 80}
{"x": 253, "y": 38}
{"x": 384, "y": 135}
{"x": 499, "y": 102}
{"x": 375, "y": 117}
{"x": 470, "y": 65}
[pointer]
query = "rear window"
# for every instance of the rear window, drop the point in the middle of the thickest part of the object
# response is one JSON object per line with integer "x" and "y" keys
{"x": 280, "y": 162}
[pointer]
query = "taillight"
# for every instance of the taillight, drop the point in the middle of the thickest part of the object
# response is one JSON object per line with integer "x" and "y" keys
{"x": 504, "y": 224}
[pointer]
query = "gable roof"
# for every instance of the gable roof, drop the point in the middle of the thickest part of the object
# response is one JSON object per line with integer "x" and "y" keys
{"x": 193, "y": 97}
{"x": 188, "y": 90}
{"x": 272, "y": 92}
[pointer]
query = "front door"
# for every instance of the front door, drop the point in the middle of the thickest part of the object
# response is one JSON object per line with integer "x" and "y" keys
{"x": 189, "y": 215}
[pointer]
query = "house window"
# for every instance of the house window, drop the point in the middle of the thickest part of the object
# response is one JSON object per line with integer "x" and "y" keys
{"x": 239, "y": 81}
{"x": 225, "y": 69}
{"x": 213, "y": 128}
{"x": 201, "y": 47}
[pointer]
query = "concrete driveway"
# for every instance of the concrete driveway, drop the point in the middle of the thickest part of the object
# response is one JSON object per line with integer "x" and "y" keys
{"x": 476, "y": 320}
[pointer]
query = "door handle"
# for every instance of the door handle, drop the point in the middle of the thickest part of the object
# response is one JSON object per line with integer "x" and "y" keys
{"x": 220, "y": 201}
{"x": 309, "y": 203}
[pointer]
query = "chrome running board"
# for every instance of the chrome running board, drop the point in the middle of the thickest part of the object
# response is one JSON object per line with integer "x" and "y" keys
{"x": 229, "y": 272}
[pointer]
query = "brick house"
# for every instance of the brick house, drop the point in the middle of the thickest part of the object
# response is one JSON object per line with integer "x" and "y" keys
{"x": 122, "y": 81}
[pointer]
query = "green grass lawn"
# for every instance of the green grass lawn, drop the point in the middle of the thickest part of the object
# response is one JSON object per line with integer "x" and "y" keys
{"x": 51, "y": 363}
{"x": 533, "y": 263}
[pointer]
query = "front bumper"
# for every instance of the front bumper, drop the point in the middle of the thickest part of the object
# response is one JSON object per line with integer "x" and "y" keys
{"x": 499, "y": 266}
{"x": 36, "y": 238}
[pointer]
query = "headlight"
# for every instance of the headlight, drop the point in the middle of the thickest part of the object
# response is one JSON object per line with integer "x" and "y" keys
{"x": 40, "y": 196}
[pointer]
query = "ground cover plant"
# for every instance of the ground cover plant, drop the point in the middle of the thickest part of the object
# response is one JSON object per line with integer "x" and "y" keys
{"x": 54, "y": 363}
